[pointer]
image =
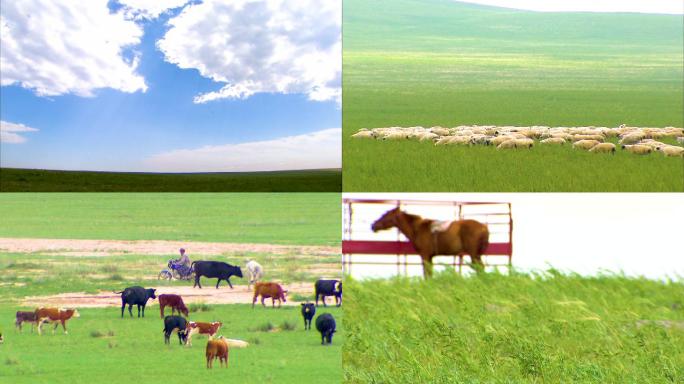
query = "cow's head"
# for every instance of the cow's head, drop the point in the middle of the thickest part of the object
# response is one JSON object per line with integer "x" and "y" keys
{"x": 386, "y": 221}
{"x": 308, "y": 307}
{"x": 72, "y": 311}
{"x": 238, "y": 271}
{"x": 284, "y": 296}
{"x": 151, "y": 293}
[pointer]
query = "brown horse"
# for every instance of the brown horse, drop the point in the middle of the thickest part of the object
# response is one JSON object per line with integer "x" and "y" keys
{"x": 431, "y": 237}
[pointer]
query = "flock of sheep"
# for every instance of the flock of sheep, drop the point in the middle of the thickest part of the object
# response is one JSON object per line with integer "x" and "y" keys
{"x": 635, "y": 140}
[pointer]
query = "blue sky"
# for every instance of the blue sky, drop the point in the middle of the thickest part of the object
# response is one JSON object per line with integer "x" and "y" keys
{"x": 200, "y": 103}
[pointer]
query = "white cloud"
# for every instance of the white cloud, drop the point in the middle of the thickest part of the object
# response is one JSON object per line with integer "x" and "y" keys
{"x": 640, "y": 6}
{"x": 149, "y": 9}
{"x": 8, "y": 132}
{"x": 258, "y": 46}
{"x": 57, "y": 47}
{"x": 320, "y": 149}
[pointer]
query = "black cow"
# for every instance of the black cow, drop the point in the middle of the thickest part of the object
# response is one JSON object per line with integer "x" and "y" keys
{"x": 308, "y": 312}
{"x": 325, "y": 324}
{"x": 211, "y": 269}
{"x": 172, "y": 323}
{"x": 136, "y": 296}
{"x": 329, "y": 288}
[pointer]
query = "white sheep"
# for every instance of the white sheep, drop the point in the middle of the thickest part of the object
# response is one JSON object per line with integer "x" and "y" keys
{"x": 603, "y": 148}
{"x": 585, "y": 144}
{"x": 363, "y": 135}
{"x": 508, "y": 144}
{"x": 638, "y": 149}
{"x": 554, "y": 140}
{"x": 672, "y": 150}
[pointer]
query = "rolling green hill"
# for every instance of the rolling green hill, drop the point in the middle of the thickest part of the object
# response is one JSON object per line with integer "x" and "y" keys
{"x": 32, "y": 180}
{"x": 434, "y": 62}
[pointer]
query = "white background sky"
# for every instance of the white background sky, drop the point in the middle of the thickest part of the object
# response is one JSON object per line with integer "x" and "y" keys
{"x": 640, "y": 234}
{"x": 641, "y": 6}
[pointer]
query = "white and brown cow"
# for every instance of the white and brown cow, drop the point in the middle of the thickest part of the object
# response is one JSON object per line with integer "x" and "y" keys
{"x": 202, "y": 328}
{"x": 56, "y": 316}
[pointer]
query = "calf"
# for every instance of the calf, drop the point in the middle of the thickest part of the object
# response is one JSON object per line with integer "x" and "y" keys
{"x": 175, "y": 302}
{"x": 266, "y": 290}
{"x": 217, "y": 349}
{"x": 25, "y": 317}
{"x": 136, "y": 296}
{"x": 325, "y": 288}
{"x": 218, "y": 269}
{"x": 254, "y": 273}
{"x": 56, "y": 316}
{"x": 325, "y": 324}
{"x": 175, "y": 323}
{"x": 202, "y": 328}
{"x": 308, "y": 312}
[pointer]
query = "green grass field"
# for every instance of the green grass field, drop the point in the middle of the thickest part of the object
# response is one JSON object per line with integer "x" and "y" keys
{"x": 274, "y": 218}
{"x": 514, "y": 329}
{"x": 102, "y": 347}
{"x": 30, "y": 180}
{"x": 439, "y": 62}
{"x": 136, "y": 349}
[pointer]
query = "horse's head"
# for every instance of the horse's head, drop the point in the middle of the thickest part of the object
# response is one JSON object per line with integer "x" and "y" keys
{"x": 388, "y": 220}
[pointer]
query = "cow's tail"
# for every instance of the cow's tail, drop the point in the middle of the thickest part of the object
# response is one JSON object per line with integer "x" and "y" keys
{"x": 484, "y": 241}
{"x": 192, "y": 266}
{"x": 118, "y": 293}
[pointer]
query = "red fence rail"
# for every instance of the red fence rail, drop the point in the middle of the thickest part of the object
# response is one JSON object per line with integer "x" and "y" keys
{"x": 357, "y": 239}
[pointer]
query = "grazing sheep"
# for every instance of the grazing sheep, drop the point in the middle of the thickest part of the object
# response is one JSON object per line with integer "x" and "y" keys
{"x": 524, "y": 143}
{"x": 585, "y": 144}
{"x": 500, "y": 139}
{"x": 631, "y": 138}
{"x": 672, "y": 151}
{"x": 603, "y": 148}
{"x": 638, "y": 149}
{"x": 363, "y": 135}
{"x": 440, "y": 131}
{"x": 554, "y": 140}
{"x": 508, "y": 144}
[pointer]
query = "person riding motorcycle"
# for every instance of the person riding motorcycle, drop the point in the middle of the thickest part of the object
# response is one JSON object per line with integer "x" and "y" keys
{"x": 184, "y": 260}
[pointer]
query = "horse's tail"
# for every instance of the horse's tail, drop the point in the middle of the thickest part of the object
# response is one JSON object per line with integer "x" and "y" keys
{"x": 484, "y": 241}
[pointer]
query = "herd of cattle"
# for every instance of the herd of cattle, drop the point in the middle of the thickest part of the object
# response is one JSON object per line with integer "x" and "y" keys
{"x": 641, "y": 141}
{"x": 217, "y": 347}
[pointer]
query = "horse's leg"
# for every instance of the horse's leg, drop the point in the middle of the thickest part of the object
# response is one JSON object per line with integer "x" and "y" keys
{"x": 427, "y": 266}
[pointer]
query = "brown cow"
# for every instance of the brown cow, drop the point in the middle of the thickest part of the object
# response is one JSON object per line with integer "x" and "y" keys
{"x": 25, "y": 317}
{"x": 432, "y": 237}
{"x": 174, "y": 301}
{"x": 54, "y": 315}
{"x": 217, "y": 349}
{"x": 266, "y": 290}
{"x": 210, "y": 329}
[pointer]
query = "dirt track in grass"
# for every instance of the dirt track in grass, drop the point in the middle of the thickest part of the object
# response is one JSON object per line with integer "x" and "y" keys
{"x": 73, "y": 247}
{"x": 208, "y": 295}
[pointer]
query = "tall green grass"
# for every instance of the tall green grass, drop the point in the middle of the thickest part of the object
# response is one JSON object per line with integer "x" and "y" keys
{"x": 439, "y": 62}
{"x": 549, "y": 328}
{"x": 278, "y": 218}
{"x": 101, "y": 348}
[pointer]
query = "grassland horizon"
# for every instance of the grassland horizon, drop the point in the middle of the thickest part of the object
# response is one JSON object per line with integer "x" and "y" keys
{"x": 47, "y": 180}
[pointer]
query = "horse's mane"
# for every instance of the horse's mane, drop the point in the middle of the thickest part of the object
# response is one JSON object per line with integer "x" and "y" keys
{"x": 413, "y": 217}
